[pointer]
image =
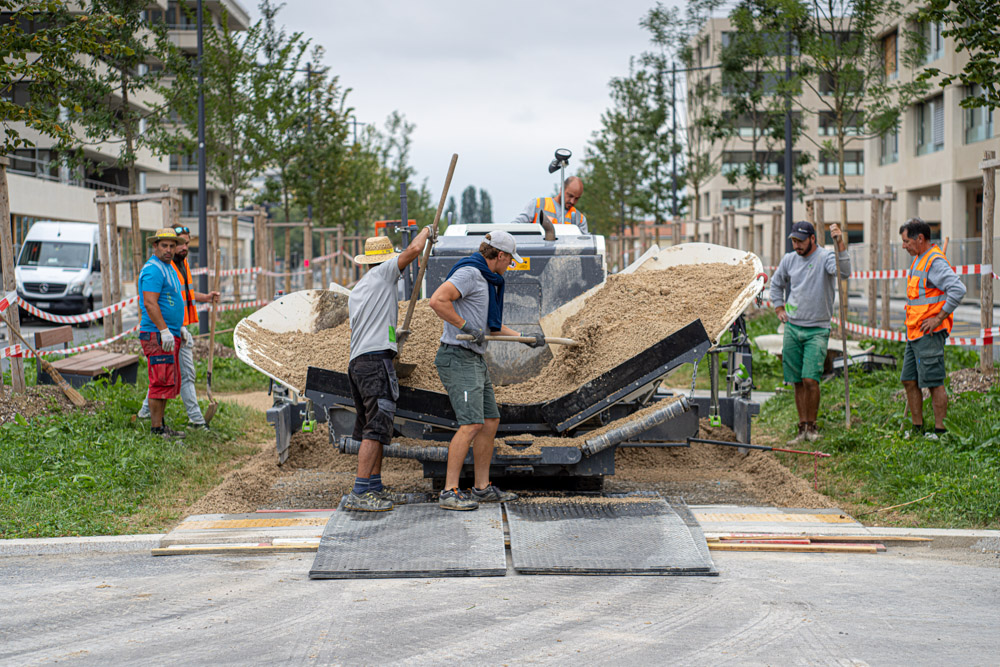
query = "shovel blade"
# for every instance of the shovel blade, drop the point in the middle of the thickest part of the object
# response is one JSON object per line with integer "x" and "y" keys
{"x": 210, "y": 411}
{"x": 404, "y": 371}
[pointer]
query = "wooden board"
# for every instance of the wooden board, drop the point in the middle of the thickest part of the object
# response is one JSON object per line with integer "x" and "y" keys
{"x": 796, "y": 548}
{"x": 94, "y": 362}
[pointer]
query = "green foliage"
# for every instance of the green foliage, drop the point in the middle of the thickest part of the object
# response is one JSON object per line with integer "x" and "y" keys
{"x": 878, "y": 466}
{"x": 476, "y": 211}
{"x": 86, "y": 472}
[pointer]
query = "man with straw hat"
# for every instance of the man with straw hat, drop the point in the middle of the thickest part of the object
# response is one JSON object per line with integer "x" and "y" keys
{"x": 373, "y": 309}
{"x": 470, "y": 301}
{"x": 161, "y": 307}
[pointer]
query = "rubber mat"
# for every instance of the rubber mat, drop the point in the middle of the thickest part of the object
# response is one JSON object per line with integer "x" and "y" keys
{"x": 419, "y": 540}
{"x": 631, "y": 535}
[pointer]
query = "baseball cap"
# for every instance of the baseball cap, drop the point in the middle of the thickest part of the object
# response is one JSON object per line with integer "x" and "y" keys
{"x": 802, "y": 230}
{"x": 503, "y": 241}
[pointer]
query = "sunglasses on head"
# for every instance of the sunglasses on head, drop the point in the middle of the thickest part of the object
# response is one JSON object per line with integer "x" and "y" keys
{"x": 182, "y": 230}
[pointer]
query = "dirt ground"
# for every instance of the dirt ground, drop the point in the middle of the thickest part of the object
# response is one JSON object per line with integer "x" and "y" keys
{"x": 316, "y": 475}
{"x": 37, "y": 400}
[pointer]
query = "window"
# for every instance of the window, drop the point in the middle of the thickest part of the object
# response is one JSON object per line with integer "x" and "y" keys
{"x": 889, "y": 147}
{"x": 978, "y": 121}
{"x": 735, "y": 199}
{"x": 930, "y": 125}
{"x": 854, "y": 164}
{"x": 16, "y": 93}
{"x": 890, "y": 55}
{"x": 933, "y": 41}
{"x": 828, "y": 124}
{"x": 184, "y": 162}
{"x": 189, "y": 203}
{"x": 736, "y": 83}
{"x": 773, "y": 166}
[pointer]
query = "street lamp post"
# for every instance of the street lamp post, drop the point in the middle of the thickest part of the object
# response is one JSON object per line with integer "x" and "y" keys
{"x": 202, "y": 166}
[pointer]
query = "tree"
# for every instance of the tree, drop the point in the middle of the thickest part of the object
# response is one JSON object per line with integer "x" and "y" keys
{"x": 485, "y": 207}
{"x": 470, "y": 208}
{"x": 973, "y": 25}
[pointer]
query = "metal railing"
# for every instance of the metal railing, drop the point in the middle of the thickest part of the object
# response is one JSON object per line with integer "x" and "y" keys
{"x": 42, "y": 170}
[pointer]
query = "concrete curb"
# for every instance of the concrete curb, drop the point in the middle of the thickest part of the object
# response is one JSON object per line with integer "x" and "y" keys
{"x": 78, "y": 545}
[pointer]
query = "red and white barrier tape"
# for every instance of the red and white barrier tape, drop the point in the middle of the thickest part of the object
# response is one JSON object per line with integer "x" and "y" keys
{"x": 9, "y": 298}
{"x": 962, "y": 270}
{"x": 75, "y": 319}
{"x": 228, "y": 272}
{"x": 900, "y": 336}
{"x": 234, "y": 306}
{"x": 21, "y": 351}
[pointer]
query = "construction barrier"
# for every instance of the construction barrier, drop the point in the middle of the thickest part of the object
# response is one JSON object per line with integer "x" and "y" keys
{"x": 9, "y": 298}
{"x": 75, "y": 319}
{"x": 963, "y": 270}
{"x": 21, "y": 351}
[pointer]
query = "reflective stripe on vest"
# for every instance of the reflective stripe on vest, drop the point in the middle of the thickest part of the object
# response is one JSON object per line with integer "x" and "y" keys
{"x": 923, "y": 302}
{"x": 547, "y": 204}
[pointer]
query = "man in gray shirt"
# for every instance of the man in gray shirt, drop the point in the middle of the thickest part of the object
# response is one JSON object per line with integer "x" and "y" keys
{"x": 470, "y": 301}
{"x": 373, "y": 310}
{"x": 802, "y": 291}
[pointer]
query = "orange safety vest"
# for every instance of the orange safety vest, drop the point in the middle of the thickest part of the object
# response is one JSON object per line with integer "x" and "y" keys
{"x": 548, "y": 204}
{"x": 187, "y": 289}
{"x": 923, "y": 301}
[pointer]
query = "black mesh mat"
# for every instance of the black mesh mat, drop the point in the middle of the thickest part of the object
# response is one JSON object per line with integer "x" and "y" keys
{"x": 623, "y": 535}
{"x": 420, "y": 540}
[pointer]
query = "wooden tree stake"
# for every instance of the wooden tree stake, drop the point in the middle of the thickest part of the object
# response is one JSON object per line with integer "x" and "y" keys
{"x": 986, "y": 281}
{"x": 9, "y": 281}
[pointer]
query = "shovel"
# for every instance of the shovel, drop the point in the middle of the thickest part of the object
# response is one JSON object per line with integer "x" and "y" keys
{"x": 405, "y": 370}
{"x": 213, "y": 405}
{"x": 499, "y": 338}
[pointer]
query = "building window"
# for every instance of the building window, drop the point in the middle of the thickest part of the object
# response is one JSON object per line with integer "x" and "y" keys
{"x": 184, "y": 162}
{"x": 854, "y": 164}
{"x": 189, "y": 203}
{"x": 978, "y": 121}
{"x": 888, "y": 147}
{"x": 737, "y": 200}
{"x": 933, "y": 41}
{"x": 890, "y": 55}
{"x": 930, "y": 126}
{"x": 16, "y": 93}
{"x": 828, "y": 124}
{"x": 773, "y": 166}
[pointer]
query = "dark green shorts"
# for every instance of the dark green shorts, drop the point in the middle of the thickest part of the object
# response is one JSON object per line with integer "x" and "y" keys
{"x": 923, "y": 360}
{"x": 803, "y": 352}
{"x": 467, "y": 378}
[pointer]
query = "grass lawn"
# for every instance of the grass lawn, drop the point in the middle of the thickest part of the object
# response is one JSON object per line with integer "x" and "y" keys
{"x": 874, "y": 465}
{"x": 95, "y": 472}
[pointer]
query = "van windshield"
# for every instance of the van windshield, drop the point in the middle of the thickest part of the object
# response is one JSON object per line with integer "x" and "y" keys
{"x": 55, "y": 254}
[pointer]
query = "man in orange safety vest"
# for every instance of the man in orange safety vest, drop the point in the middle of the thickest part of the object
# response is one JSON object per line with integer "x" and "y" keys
{"x": 549, "y": 207}
{"x": 933, "y": 291}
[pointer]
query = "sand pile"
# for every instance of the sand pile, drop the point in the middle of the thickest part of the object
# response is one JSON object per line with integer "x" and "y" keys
{"x": 629, "y": 314}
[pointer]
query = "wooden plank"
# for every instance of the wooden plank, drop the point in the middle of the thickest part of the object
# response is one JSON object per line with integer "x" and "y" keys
{"x": 55, "y": 336}
{"x": 286, "y": 224}
{"x": 115, "y": 267}
{"x": 240, "y": 549}
{"x": 886, "y": 230}
{"x": 872, "y": 239}
{"x": 796, "y": 548}
{"x": 225, "y": 214}
{"x": 990, "y": 163}
{"x": 149, "y": 196}
{"x": 846, "y": 196}
{"x": 85, "y": 360}
{"x": 9, "y": 281}
{"x": 104, "y": 255}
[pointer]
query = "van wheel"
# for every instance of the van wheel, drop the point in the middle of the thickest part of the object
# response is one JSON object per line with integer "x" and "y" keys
{"x": 88, "y": 309}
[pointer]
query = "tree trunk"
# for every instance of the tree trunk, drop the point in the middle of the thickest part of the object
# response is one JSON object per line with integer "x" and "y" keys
{"x": 9, "y": 282}
{"x": 137, "y": 251}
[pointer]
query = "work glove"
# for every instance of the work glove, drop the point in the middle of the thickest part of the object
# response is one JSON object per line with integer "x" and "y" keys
{"x": 166, "y": 340}
{"x": 538, "y": 342}
{"x": 478, "y": 336}
{"x": 187, "y": 337}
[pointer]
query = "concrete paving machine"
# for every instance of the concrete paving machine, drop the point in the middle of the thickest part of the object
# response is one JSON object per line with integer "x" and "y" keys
{"x": 550, "y": 286}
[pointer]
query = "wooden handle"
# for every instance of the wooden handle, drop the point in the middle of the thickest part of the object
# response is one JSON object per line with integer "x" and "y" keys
{"x": 522, "y": 339}
{"x": 427, "y": 248}
{"x": 74, "y": 396}
{"x": 212, "y": 314}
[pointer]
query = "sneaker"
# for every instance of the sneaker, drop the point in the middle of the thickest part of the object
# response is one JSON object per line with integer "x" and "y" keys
{"x": 812, "y": 435}
{"x": 453, "y": 499}
{"x": 491, "y": 494}
{"x": 166, "y": 432}
{"x": 366, "y": 502}
{"x": 797, "y": 440}
{"x": 931, "y": 435}
{"x": 393, "y": 497}
{"x": 198, "y": 427}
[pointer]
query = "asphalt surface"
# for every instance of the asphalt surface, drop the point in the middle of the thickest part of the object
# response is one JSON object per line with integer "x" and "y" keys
{"x": 912, "y": 606}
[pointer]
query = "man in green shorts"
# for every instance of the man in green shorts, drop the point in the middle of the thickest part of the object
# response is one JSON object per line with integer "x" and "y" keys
{"x": 802, "y": 291}
{"x": 470, "y": 302}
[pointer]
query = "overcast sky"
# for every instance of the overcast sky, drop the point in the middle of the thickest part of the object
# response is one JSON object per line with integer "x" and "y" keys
{"x": 502, "y": 84}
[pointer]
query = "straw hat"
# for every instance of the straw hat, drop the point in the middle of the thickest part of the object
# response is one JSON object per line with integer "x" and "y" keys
{"x": 378, "y": 249}
{"x": 165, "y": 234}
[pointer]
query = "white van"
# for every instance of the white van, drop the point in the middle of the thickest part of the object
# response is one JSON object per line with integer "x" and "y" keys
{"x": 58, "y": 267}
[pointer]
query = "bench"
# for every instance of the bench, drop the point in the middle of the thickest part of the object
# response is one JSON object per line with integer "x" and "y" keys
{"x": 56, "y": 336}
{"x": 93, "y": 364}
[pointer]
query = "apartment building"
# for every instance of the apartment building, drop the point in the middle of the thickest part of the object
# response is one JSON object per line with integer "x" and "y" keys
{"x": 717, "y": 193}
{"x": 931, "y": 160}
{"x": 42, "y": 187}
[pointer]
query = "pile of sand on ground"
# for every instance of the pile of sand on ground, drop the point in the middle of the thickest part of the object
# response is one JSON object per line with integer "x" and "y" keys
{"x": 629, "y": 314}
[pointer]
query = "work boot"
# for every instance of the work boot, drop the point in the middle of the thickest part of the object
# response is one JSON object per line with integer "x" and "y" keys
{"x": 491, "y": 494}
{"x": 366, "y": 502}
{"x": 453, "y": 499}
{"x": 812, "y": 434}
{"x": 166, "y": 432}
{"x": 200, "y": 426}
{"x": 797, "y": 440}
{"x": 393, "y": 497}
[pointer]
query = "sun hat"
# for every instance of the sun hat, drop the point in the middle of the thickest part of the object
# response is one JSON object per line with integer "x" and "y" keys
{"x": 504, "y": 241}
{"x": 165, "y": 234}
{"x": 378, "y": 249}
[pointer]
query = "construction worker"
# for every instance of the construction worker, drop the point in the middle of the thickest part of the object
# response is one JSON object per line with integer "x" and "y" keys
{"x": 470, "y": 301}
{"x": 548, "y": 206}
{"x": 802, "y": 291}
{"x": 933, "y": 291}
{"x": 186, "y": 355}
{"x": 373, "y": 310}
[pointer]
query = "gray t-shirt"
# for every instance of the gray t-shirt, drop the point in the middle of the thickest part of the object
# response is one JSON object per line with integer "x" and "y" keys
{"x": 473, "y": 306}
{"x": 374, "y": 310}
{"x": 527, "y": 216}
{"x": 806, "y": 286}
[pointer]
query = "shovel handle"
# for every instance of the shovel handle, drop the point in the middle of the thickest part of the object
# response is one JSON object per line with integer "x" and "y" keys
{"x": 427, "y": 248}
{"x": 212, "y": 318}
{"x": 522, "y": 339}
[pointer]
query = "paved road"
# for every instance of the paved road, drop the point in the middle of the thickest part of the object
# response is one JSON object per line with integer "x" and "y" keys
{"x": 913, "y": 606}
